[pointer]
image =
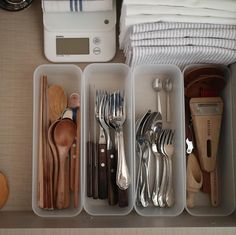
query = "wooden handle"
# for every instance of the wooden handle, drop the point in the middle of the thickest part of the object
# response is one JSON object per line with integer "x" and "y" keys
{"x": 95, "y": 171}
{"x": 72, "y": 167}
{"x": 40, "y": 149}
{"x": 77, "y": 160}
{"x": 111, "y": 177}
{"x": 61, "y": 185}
{"x": 50, "y": 178}
{"x": 102, "y": 171}
{"x": 123, "y": 198}
{"x": 215, "y": 201}
{"x": 190, "y": 199}
{"x": 67, "y": 183}
{"x": 89, "y": 169}
{"x": 206, "y": 186}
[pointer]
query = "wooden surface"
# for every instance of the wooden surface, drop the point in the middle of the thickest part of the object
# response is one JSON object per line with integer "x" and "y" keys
{"x": 21, "y": 51}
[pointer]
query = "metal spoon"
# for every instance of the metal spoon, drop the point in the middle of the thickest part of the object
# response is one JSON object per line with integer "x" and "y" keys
{"x": 157, "y": 86}
{"x": 167, "y": 85}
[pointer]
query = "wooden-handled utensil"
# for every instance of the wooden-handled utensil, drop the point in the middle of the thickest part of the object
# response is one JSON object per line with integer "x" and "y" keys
{"x": 74, "y": 103}
{"x": 64, "y": 136}
{"x": 206, "y": 115}
{"x": 41, "y": 201}
{"x": 56, "y": 102}
{"x": 194, "y": 179}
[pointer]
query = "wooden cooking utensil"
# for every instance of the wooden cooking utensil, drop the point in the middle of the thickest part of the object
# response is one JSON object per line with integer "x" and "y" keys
{"x": 194, "y": 179}
{"x": 41, "y": 202}
{"x": 55, "y": 157}
{"x": 214, "y": 180}
{"x": 74, "y": 103}
{"x": 202, "y": 71}
{"x": 213, "y": 83}
{"x": 48, "y": 158}
{"x": 68, "y": 113}
{"x": 4, "y": 190}
{"x": 64, "y": 135}
{"x": 207, "y": 115}
{"x": 57, "y": 102}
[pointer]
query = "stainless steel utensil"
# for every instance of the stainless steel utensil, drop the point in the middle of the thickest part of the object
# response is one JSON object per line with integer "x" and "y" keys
{"x": 157, "y": 86}
{"x": 117, "y": 119}
{"x": 168, "y": 86}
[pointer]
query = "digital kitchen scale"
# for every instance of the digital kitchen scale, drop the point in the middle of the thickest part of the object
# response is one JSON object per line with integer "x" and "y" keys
{"x": 80, "y": 37}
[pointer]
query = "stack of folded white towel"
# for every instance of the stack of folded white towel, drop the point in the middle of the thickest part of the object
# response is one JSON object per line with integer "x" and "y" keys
{"x": 178, "y": 32}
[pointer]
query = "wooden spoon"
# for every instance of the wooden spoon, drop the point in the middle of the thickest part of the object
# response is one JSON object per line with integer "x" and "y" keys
{"x": 74, "y": 103}
{"x": 55, "y": 157}
{"x": 64, "y": 135}
{"x": 4, "y": 190}
{"x": 57, "y": 102}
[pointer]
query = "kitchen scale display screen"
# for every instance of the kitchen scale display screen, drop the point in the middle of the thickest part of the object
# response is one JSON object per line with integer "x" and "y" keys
{"x": 72, "y": 46}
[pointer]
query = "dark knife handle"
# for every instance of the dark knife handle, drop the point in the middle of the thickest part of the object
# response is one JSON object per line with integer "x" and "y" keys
{"x": 95, "y": 171}
{"x": 111, "y": 177}
{"x": 123, "y": 198}
{"x": 89, "y": 169}
{"x": 102, "y": 171}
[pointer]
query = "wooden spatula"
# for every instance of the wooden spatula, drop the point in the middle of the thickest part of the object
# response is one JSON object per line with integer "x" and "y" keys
{"x": 207, "y": 114}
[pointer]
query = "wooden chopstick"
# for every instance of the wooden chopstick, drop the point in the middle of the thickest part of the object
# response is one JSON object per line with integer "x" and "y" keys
{"x": 40, "y": 149}
{"x": 77, "y": 160}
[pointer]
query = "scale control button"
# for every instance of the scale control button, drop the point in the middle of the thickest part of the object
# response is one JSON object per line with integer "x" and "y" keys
{"x": 96, "y": 40}
{"x": 97, "y": 50}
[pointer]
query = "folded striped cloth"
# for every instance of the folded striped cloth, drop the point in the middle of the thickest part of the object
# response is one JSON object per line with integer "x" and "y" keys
{"x": 160, "y": 42}
{"x": 180, "y": 55}
{"x": 156, "y": 26}
{"x": 223, "y": 5}
{"x": 128, "y": 21}
{"x": 129, "y": 10}
{"x": 76, "y": 5}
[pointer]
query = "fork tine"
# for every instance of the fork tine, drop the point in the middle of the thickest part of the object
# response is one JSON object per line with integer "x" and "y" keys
{"x": 168, "y": 136}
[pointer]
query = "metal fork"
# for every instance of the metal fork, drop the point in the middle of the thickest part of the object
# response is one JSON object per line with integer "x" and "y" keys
{"x": 117, "y": 119}
{"x": 169, "y": 151}
{"x": 162, "y": 191}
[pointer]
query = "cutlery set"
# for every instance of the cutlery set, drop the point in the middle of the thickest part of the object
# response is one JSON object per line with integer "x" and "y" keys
{"x": 59, "y": 147}
{"x": 154, "y": 142}
{"x": 108, "y": 175}
{"x": 204, "y": 110}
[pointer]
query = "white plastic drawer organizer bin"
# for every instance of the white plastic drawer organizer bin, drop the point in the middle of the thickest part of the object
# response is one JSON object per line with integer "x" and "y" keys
{"x": 151, "y": 114}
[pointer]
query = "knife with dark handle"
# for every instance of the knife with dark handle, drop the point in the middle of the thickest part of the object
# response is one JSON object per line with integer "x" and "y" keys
{"x": 89, "y": 169}
{"x": 95, "y": 171}
{"x": 102, "y": 171}
{"x": 123, "y": 198}
{"x": 111, "y": 177}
